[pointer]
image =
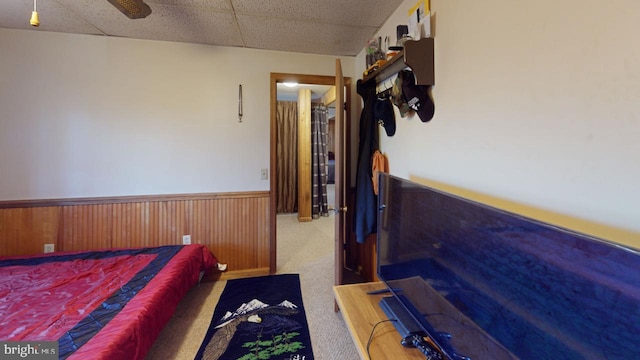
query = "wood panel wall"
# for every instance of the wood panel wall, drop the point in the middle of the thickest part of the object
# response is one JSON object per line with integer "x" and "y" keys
{"x": 234, "y": 226}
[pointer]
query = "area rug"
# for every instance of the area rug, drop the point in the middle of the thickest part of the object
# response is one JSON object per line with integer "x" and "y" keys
{"x": 259, "y": 318}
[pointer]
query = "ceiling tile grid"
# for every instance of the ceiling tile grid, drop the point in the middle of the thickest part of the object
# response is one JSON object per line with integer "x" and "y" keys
{"x": 330, "y": 27}
{"x": 302, "y": 36}
{"x": 15, "y": 14}
{"x": 340, "y": 12}
{"x": 216, "y": 5}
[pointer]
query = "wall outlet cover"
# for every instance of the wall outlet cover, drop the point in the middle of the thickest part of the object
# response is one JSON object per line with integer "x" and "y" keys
{"x": 49, "y": 248}
{"x": 186, "y": 239}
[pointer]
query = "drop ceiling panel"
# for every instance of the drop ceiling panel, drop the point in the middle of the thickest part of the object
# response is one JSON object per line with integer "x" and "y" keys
{"x": 166, "y": 22}
{"x": 54, "y": 16}
{"x": 302, "y": 36}
{"x": 217, "y": 5}
{"x": 331, "y": 27}
{"x": 352, "y": 12}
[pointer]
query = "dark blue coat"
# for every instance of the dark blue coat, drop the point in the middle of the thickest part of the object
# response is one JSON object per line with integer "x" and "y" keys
{"x": 365, "y": 218}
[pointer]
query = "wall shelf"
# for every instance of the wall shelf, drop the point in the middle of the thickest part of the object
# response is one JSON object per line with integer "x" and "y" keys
{"x": 418, "y": 55}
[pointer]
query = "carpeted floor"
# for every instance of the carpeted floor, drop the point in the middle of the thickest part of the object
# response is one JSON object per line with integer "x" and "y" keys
{"x": 303, "y": 248}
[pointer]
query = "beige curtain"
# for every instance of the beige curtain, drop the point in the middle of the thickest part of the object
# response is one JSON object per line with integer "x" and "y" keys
{"x": 287, "y": 155}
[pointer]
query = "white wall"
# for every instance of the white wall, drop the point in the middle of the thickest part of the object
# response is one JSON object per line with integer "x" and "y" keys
{"x": 536, "y": 102}
{"x": 84, "y": 116}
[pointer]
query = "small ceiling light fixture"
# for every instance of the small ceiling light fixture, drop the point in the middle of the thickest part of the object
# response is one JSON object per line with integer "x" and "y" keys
{"x": 134, "y": 9}
{"x": 290, "y": 84}
{"x": 35, "y": 19}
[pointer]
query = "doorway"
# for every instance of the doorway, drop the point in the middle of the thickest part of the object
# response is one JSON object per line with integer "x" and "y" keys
{"x": 305, "y": 154}
{"x": 327, "y": 82}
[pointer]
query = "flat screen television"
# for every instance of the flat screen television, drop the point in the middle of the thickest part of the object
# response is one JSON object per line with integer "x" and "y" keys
{"x": 414, "y": 261}
{"x": 483, "y": 283}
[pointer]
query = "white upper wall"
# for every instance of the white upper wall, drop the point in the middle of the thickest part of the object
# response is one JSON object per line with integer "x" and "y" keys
{"x": 536, "y": 102}
{"x": 85, "y": 116}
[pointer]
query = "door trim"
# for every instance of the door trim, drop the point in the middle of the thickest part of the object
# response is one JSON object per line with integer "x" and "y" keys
{"x": 301, "y": 79}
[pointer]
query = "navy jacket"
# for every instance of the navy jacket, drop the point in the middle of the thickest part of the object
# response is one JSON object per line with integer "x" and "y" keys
{"x": 366, "y": 201}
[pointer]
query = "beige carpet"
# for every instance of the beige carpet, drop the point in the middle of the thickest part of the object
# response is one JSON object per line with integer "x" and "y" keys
{"x": 303, "y": 248}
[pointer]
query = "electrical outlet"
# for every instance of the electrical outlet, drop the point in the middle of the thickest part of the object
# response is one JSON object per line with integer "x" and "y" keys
{"x": 49, "y": 248}
{"x": 186, "y": 239}
{"x": 264, "y": 174}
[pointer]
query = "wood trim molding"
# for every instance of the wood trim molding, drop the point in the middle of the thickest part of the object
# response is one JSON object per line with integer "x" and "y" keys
{"x": 12, "y": 204}
{"x": 329, "y": 97}
{"x": 235, "y": 274}
{"x": 276, "y": 78}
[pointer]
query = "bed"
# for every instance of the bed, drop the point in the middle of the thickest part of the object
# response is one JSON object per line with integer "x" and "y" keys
{"x": 101, "y": 304}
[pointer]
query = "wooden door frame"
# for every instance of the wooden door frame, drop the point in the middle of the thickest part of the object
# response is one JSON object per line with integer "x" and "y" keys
{"x": 301, "y": 79}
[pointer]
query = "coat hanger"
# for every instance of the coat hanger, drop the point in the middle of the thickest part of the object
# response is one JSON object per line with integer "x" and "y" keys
{"x": 383, "y": 89}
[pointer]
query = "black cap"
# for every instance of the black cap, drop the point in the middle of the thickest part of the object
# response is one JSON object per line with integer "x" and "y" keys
{"x": 417, "y": 97}
{"x": 383, "y": 113}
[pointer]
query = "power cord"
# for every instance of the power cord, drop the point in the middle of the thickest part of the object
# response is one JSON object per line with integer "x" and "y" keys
{"x": 371, "y": 335}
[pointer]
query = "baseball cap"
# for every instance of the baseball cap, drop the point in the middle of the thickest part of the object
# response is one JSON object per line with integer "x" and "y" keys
{"x": 417, "y": 96}
{"x": 397, "y": 98}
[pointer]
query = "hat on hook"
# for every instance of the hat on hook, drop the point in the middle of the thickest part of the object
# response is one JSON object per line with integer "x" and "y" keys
{"x": 397, "y": 98}
{"x": 417, "y": 97}
{"x": 383, "y": 113}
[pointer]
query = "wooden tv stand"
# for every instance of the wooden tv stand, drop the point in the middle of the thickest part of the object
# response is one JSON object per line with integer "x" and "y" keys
{"x": 362, "y": 312}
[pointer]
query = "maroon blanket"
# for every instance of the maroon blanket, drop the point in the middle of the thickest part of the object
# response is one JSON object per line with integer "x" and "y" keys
{"x": 106, "y": 304}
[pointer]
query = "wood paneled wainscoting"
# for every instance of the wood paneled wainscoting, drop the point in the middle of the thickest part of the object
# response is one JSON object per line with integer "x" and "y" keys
{"x": 234, "y": 226}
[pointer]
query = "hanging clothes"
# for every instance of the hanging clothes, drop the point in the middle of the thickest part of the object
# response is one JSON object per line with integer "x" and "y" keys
{"x": 366, "y": 214}
{"x": 379, "y": 164}
{"x": 319, "y": 167}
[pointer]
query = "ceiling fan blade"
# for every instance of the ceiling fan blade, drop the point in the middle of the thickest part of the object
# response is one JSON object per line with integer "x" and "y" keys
{"x": 134, "y": 9}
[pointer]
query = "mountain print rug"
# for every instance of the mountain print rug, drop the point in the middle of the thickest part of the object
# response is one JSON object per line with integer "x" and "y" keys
{"x": 259, "y": 318}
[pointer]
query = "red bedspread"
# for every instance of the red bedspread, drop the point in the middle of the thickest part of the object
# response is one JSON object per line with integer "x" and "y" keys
{"x": 98, "y": 305}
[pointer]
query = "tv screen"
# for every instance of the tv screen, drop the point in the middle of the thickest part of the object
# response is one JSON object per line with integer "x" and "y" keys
{"x": 488, "y": 284}
{"x": 416, "y": 265}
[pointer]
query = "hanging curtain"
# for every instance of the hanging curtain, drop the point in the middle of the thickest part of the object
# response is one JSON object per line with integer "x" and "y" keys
{"x": 287, "y": 157}
{"x": 319, "y": 156}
